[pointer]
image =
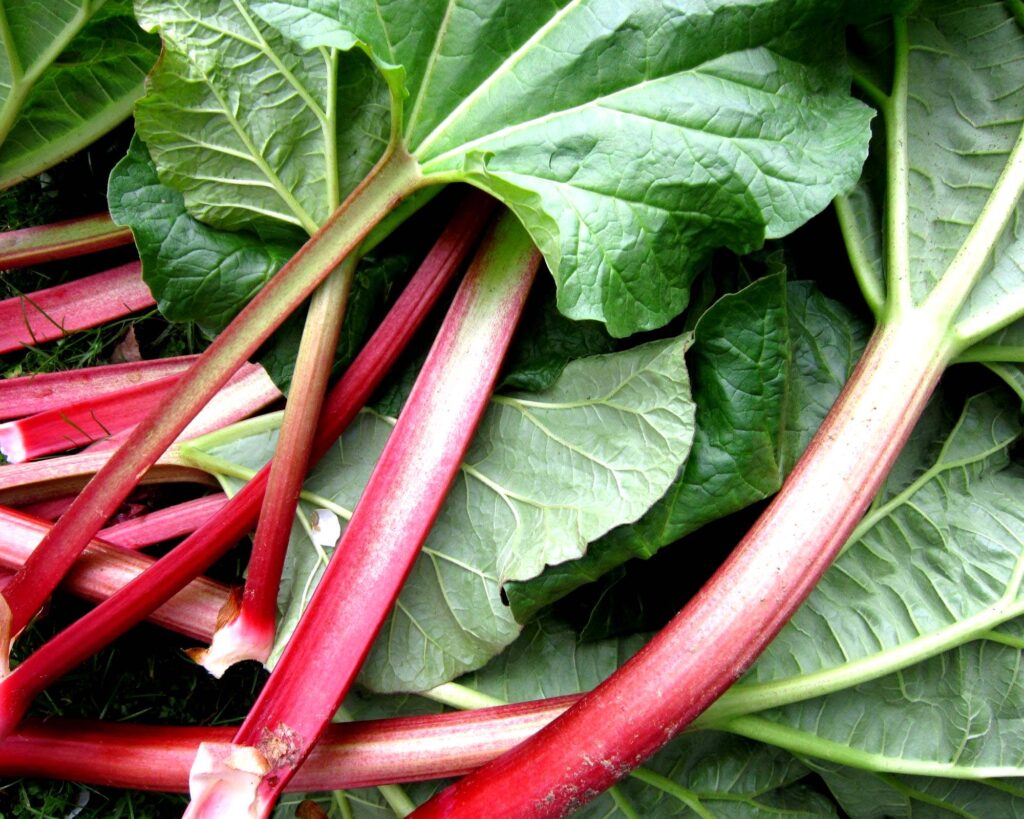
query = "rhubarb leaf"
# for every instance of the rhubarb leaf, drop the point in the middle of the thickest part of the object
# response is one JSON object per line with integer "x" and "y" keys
{"x": 964, "y": 114}
{"x": 629, "y": 139}
{"x": 70, "y": 70}
{"x": 254, "y": 132}
{"x": 196, "y": 272}
{"x": 546, "y": 474}
{"x": 865, "y": 795}
{"x": 768, "y": 363}
{"x": 893, "y": 628}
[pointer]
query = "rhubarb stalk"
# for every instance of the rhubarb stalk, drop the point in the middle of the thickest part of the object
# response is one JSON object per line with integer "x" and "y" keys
{"x": 136, "y": 600}
{"x": 720, "y": 633}
{"x": 60, "y": 240}
{"x": 52, "y": 313}
{"x": 395, "y": 176}
{"x": 396, "y": 510}
{"x": 249, "y": 635}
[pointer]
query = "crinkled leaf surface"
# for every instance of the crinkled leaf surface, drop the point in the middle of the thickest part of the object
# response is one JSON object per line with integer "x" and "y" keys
{"x": 936, "y": 565}
{"x": 255, "y": 132}
{"x": 768, "y": 363}
{"x": 629, "y": 138}
{"x": 865, "y": 795}
{"x": 196, "y": 272}
{"x": 546, "y": 474}
{"x": 70, "y": 70}
{"x": 965, "y": 111}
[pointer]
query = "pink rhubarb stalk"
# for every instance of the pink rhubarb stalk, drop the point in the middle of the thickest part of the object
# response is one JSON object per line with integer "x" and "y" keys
{"x": 60, "y": 240}
{"x": 31, "y": 394}
{"x": 395, "y": 176}
{"x": 249, "y": 635}
{"x": 134, "y": 601}
{"x": 38, "y": 481}
{"x": 104, "y": 569}
{"x": 376, "y": 552}
{"x": 247, "y": 392}
{"x": 52, "y": 313}
{"x": 350, "y": 755}
{"x": 164, "y": 524}
{"x": 722, "y": 630}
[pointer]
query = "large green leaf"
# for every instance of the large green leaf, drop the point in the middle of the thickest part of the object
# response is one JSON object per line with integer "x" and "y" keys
{"x": 964, "y": 115}
{"x": 547, "y": 473}
{"x": 70, "y": 70}
{"x": 629, "y": 138}
{"x": 255, "y": 132}
{"x": 768, "y": 363}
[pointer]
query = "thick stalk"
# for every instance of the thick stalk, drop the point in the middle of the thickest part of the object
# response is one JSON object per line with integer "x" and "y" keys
{"x": 136, "y": 600}
{"x": 250, "y": 634}
{"x": 103, "y": 569}
{"x": 738, "y": 612}
{"x": 52, "y": 313}
{"x": 350, "y": 755}
{"x": 30, "y": 394}
{"x": 61, "y": 240}
{"x": 396, "y": 510}
{"x": 396, "y": 176}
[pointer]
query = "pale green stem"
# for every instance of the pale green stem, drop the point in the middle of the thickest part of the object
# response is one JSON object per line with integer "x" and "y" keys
{"x": 663, "y": 783}
{"x": 870, "y": 89}
{"x": 1000, "y": 314}
{"x": 622, "y": 803}
{"x": 802, "y": 742}
{"x": 985, "y": 353}
{"x": 1012, "y": 375}
{"x": 331, "y": 131}
{"x": 897, "y": 232}
{"x": 1002, "y": 639}
{"x": 397, "y": 799}
{"x": 870, "y": 286}
{"x": 461, "y": 697}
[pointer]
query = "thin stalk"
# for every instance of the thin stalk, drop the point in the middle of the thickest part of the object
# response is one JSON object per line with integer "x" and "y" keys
{"x": 61, "y": 240}
{"x": 247, "y": 392}
{"x": 351, "y": 755}
{"x": 136, "y": 600}
{"x": 394, "y": 177}
{"x": 30, "y": 394}
{"x": 164, "y": 524}
{"x": 37, "y": 481}
{"x": 395, "y": 513}
{"x": 249, "y": 635}
{"x": 81, "y": 423}
{"x": 897, "y": 210}
{"x": 863, "y": 270}
{"x": 57, "y": 311}
{"x": 104, "y": 569}
{"x": 674, "y": 678}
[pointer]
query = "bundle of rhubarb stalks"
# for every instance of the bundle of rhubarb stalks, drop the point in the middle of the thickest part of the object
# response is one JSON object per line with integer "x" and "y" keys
{"x": 507, "y": 321}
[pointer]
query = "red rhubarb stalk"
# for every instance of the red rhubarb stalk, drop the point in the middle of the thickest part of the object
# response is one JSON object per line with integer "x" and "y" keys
{"x": 134, "y": 601}
{"x": 60, "y": 240}
{"x": 164, "y": 524}
{"x": 52, "y": 313}
{"x": 350, "y": 755}
{"x": 247, "y": 392}
{"x": 249, "y": 635}
{"x": 392, "y": 519}
{"x": 395, "y": 176}
{"x": 30, "y": 394}
{"x": 675, "y": 677}
{"x": 104, "y": 569}
{"x": 37, "y": 481}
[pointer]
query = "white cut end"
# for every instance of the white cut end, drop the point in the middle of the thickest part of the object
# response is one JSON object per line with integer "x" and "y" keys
{"x": 325, "y": 528}
{"x": 232, "y": 643}
{"x": 12, "y": 443}
{"x": 224, "y": 780}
